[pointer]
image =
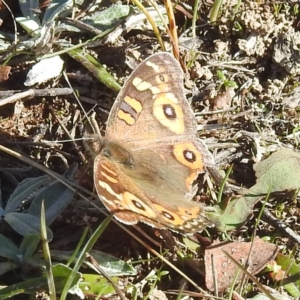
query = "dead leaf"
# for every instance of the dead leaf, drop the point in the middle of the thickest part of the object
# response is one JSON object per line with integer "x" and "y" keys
{"x": 4, "y": 72}
{"x": 216, "y": 261}
{"x": 223, "y": 101}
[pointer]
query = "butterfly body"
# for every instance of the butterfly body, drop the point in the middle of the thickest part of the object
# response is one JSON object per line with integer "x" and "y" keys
{"x": 151, "y": 155}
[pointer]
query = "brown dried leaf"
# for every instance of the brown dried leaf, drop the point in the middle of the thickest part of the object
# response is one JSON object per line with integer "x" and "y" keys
{"x": 223, "y": 101}
{"x": 4, "y": 72}
{"x": 256, "y": 256}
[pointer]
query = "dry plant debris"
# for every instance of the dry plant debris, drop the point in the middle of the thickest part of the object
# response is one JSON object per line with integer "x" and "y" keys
{"x": 221, "y": 272}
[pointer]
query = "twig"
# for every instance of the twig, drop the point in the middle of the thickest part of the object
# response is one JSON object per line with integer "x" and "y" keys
{"x": 68, "y": 134}
{"x": 91, "y": 259}
{"x": 82, "y": 26}
{"x": 269, "y": 218}
{"x": 173, "y": 30}
{"x": 32, "y": 93}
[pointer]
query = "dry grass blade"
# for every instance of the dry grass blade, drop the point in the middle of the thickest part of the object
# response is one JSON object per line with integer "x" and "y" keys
{"x": 151, "y": 21}
{"x": 172, "y": 29}
{"x": 101, "y": 271}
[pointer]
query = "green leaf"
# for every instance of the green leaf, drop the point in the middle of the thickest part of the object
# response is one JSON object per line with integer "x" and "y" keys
{"x": 25, "y": 224}
{"x": 56, "y": 198}
{"x": 8, "y": 266}
{"x": 95, "y": 285}
{"x": 2, "y": 212}
{"x": 56, "y": 7}
{"x": 232, "y": 216}
{"x": 27, "y": 286}
{"x": 221, "y": 75}
{"x": 279, "y": 172}
{"x": 87, "y": 248}
{"x": 31, "y": 26}
{"x": 46, "y": 251}
{"x": 29, "y": 245}
{"x": 111, "y": 265}
{"x": 8, "y": 249}
{"x": 28, "y": 8}
{"x": 291, "y": 268}
{"x": 109, "y": 17}
{"x": 95, "y": 68}
{"x": 25, "y": 190}
{"x": 61, "y": 275}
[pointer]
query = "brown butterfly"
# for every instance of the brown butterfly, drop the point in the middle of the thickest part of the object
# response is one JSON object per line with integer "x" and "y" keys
{"x": 151, "y": 154}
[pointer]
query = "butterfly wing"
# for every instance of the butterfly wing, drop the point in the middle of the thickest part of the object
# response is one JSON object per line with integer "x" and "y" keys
{"x": 151, "y": 105}
{"x": 141, "y": 194}
{"x": 151, "y": 154}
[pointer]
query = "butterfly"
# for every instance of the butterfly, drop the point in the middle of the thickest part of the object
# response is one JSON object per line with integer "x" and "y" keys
{"x": 150, "y": 154}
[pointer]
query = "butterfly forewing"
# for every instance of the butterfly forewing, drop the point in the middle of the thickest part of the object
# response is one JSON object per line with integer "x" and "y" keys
{"x": 151, "y": 105}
